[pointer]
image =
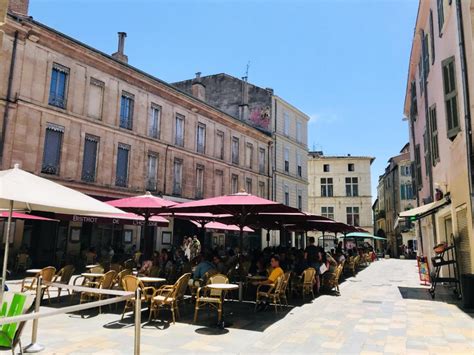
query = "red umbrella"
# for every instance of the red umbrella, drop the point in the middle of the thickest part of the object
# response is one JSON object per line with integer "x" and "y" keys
{"x": 222, "y": 226}
{"x": 146, "y": 206}
{"x": 240, "y": 205}
{"x": 18, "y": 215}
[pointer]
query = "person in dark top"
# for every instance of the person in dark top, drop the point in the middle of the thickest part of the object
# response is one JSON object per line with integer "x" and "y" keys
{"x": 311, "y": 253}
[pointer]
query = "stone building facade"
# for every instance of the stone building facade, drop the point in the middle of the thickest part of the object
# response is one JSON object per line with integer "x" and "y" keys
{"x": 261, "y": 108}
{"x": 92, "y": 122}
{"x": 438, "y": 106}
{"x": 395, "y": 194}
{"x": 340, "y": 188}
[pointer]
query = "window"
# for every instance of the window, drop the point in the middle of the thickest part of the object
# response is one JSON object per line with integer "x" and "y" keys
{"x": 201, "y": 138}
{"x": 405, "y": 170}
{"x": 248, "y": 185}
{"x": 286, "y": 124}
{"x": 352, "y": 186}
{"x": 450, "y": 97}
{"x": 249, "y": 155}
{"x": 261, "y": 189}
{"x": 299, "y": 129}
{"x": 326, "y": 168}
{"x": 413, "y": 102}
{"x": 426, "y": 151}
{"x": 352, "y": 216}
{"x": 155, "y": 121}
{"x": 298, "y": 163}
{"x": 126, "y": 110}
{"x": 219, "y": 183}
{"x": 426, "y": 56}
{"x": 199, "y": 181}
{"x": 434, "y": 135}
{"x": 419, "y": 181}
{"x": 432, "y": 38}
{"x": 58, "y": 86}
{"x": 327, "y": 212}
{"x": 52, "y": 149}
{"x": 261, "y": 161}
{"x": 287, "y": 160}
{"x": 234, "y": 184}
{"x": 179, "y": 131}
{"x": 235, "y": 150}
{"x": 300, "y": 199}
{"x": 286, "y": 191}
{"x": 406, "y": 192}
{"x": 440, "y": 16}
{"x": 96, "y": 98}
{"x": 220, "y": 145}
{"x": 89, "y": 161}
{"x": 121, "y": 174}
{"x": 152, "y": 172}
{"x": 326, "y": 187}
{"x": 350, "y": 167}
{"x": 177, "y": 176}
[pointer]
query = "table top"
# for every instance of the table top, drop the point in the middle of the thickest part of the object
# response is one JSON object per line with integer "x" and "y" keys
{"x": 223, "y": 286}
{"x": 151, "y": 279}
{"x": 33, "y": 271}
{"x": 91, "y": 266}
{"x": 91, "y": 274}
{"x": 257, "y": 278}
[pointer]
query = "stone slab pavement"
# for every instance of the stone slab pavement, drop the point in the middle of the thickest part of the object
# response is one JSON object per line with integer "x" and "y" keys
{"x": 381, "y": 310}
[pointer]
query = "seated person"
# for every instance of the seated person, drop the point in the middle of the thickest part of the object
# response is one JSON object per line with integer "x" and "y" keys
{"x": 219, "y": 265}
{"x": 274, "y": 275}
{"x": 202, "y": 267}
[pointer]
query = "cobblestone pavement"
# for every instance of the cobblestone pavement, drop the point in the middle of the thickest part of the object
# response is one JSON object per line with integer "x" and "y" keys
{"x": 381, "y": 310}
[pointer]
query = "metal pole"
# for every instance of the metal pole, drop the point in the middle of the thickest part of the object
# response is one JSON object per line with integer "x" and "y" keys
{"x": 5, "y": 255}
{"x": 34, "y": 347}
{"x": 138, "y": 316}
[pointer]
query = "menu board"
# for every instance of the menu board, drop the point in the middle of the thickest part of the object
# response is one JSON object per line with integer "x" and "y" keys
{"x": 423, "y": 269}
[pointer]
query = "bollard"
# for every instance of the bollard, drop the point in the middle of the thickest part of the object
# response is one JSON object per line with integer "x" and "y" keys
{"x": 34, "y": 347}
{"x": 138, "y": 316}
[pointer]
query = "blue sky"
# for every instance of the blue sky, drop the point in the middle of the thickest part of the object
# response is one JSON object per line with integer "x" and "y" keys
{"x": 344, "y": 63}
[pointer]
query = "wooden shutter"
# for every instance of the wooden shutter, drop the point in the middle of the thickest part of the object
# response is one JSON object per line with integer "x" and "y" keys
{"x": 462, "y": 242}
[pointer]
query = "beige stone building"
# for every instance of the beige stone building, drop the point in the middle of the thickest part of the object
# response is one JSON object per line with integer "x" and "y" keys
{"x": 340, "y": 188}
{"x": 90, "y": 121}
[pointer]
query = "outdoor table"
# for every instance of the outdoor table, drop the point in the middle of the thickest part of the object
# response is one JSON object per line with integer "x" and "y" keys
{"x": 223, "y": 287}
{"x": 33, "y": 271}
{"x": 91, "y": 266}
{"x": 146, "y": 279}
{"x": 92, "y": 275}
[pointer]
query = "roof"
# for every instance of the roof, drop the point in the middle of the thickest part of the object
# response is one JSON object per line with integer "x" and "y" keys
{"x": 318, "y": 155}
{"x": 19, "y": 18}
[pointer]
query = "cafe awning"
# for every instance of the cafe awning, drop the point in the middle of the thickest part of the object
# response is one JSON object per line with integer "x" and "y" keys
{"x": 425, "y": 210}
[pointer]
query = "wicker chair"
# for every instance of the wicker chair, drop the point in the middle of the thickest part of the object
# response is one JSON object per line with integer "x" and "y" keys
{"x": 272, "y": 293}
{"x": 47, "y": 274}
{"x": 105, "y": 283}
{"x": 307, "y": 282}
{"x": 130, "y": 283}
{"x": 97, "y": 269}
{"x": 211, "y": 297}
{"x": 331, "y": 279}
{"x": 197, "y": 283}
{"x": 118, "y": 279}
{"x": 169, "y": 296}
{"x": 63, "y": 276}
{"x": 116, "y": 267}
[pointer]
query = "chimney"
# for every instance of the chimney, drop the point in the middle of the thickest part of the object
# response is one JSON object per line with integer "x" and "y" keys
{"x": 244, "y": 106}
{"x": 119, "y": 55}
{"x": 18, "y": 7}
{"x": 198, "y": 88}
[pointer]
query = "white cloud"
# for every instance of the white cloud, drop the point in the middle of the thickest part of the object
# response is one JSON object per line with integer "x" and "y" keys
{"x": 324, "y": 116}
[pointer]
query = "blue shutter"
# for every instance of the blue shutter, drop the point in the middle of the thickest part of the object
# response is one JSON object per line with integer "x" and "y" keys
{"x": 52, "y": 149}
{"x": 122, "y": 166}
{"x": 90, "y": 159}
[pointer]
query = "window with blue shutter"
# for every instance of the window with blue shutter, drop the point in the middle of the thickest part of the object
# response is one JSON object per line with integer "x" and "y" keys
{"x": 126, "y": 110}
{"x": 58, "y": 86}
{"x": 432, "y": 38}
{"x": 121, "y": 175}
{"x": 52, "y": 149}
{"x": 89, "y": 163}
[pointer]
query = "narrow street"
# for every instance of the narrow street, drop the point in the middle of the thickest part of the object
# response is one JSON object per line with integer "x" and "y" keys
{"x": 381, "y": 310}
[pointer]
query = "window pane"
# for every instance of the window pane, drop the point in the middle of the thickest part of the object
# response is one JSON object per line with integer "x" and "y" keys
{"x": 90, "y": 159}
{"x": 52, "y": 151}
{"x": 122, "y": 166}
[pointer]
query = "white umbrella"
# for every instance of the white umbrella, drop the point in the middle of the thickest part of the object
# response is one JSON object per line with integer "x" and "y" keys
{"x": 20, "y": 190}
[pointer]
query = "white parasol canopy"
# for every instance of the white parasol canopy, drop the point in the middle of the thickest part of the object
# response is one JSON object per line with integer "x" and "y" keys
{"x": 20, "y": 190}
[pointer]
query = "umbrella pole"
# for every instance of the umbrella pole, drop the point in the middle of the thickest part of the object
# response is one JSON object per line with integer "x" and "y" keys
{"x": 5, "y": 255}
{"x": 148, "y": 245}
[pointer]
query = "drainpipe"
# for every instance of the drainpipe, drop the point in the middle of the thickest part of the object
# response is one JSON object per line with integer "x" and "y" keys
{"x": 8, "y": 100}
{"x": 413, "y": 176}
{"x": 166, "y": 169}
{"x": 467, "y": 104}
{"x": 274, "y": 153}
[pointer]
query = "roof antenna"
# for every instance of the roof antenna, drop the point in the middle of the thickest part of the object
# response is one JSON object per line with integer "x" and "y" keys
{"x": 245, "y": 78}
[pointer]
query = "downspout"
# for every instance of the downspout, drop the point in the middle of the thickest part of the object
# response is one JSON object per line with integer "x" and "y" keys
{"x": 467, "y": 104}
{"x": 8, "y": 98}
{"x": 274, "y": 154}
{"x": 413, "y": 176}
{"x": 166, "y": 169}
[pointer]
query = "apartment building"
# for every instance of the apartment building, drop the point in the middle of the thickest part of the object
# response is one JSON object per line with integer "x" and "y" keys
{"x": 92, "y": 122}
{"x": 438, "y": 111}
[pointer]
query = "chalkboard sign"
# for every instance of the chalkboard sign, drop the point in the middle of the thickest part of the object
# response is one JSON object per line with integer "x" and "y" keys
{"x": 423, "y": 269}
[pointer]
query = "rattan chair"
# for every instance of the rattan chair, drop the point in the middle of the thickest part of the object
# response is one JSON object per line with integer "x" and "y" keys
{"x": 307, "y": 282}
{"x": 169, "y": 296}
{"x": 331, "y": 280}
{"x": 97, "y": 269}
{"x": 206, "y": 296}
{"x": 105, "y": 283}
{"x": 272, "y": 293}
{"x": 118, "y": 279}
{"x": 63, "y": 276}
{"x": 130, "y": 283}
{"x": 47, "y": 274}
